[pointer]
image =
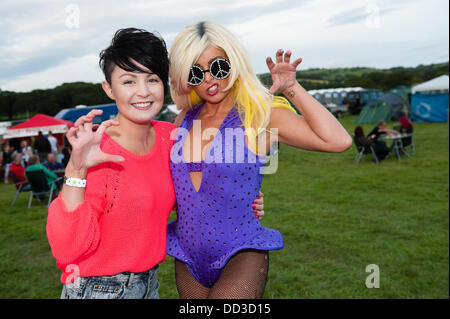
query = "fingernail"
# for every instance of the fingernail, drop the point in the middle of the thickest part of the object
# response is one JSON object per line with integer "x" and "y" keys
{"x": 253, "y": 206}
{"x": 75, "y": 127}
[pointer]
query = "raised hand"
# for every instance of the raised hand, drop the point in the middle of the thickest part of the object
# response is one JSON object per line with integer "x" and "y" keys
{"x": 283, "y": 71}
{"x": 85, "y": 143}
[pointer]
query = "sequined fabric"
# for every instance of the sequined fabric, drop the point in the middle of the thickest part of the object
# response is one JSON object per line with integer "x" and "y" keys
{"x": 217, "y": 221}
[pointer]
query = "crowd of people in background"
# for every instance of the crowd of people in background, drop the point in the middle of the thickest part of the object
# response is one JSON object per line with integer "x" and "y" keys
{"x": 379, "y": 146}
{"x": 44, "y": 153}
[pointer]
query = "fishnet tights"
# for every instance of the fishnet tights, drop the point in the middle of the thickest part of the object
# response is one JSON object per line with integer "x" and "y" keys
{"x": 244, "y": 277}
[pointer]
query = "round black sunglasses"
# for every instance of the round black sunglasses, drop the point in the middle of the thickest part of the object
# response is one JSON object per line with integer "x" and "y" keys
{"x": 219, "y": 69}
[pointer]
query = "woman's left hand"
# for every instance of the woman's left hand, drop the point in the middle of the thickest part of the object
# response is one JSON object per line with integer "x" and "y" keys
{"x": 283, "y": 71}
{"x": 258, "y": 206}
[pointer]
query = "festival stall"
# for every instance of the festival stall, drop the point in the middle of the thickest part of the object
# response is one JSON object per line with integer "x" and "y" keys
{"x": 39, "y": 123}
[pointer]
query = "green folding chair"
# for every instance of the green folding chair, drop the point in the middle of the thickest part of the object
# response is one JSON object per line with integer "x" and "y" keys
{"x": 21, "y": 186}
{"x": 40, "y": 187}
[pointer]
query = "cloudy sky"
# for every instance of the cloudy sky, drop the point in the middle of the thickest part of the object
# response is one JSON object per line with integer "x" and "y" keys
{"x": 46, "y": 43}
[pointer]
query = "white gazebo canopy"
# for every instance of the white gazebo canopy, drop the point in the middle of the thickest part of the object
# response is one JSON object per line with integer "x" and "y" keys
{"x": 437, "y": 84}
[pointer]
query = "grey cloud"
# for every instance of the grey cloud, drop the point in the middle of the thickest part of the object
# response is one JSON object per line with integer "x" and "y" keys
{"x": 98, "y": 22}
{"x": 24, "y": 21}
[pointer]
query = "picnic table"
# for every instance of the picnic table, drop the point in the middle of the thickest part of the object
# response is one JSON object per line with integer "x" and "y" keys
{"x": 397, "y": 143}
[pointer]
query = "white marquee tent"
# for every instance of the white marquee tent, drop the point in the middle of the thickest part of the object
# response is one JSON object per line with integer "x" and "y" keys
{"x": 437, "y": 84}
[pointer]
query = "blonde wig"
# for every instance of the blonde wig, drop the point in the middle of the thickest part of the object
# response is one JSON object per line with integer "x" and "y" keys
{"x": 251, "y": 98}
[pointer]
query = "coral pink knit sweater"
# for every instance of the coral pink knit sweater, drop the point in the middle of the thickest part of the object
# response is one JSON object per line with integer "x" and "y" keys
{"x": 121, "y": 225}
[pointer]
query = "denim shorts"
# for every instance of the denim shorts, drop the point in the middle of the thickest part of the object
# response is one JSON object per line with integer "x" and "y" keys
{"x": 126, "y": 285}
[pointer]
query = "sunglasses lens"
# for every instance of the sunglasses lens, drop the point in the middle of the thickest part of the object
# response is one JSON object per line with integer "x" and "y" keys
{"x": 220, "y": 68}
{"x": 196, "y": 75}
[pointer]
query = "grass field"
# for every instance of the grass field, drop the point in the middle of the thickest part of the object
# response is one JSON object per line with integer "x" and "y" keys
{"x": 336, "y": 218}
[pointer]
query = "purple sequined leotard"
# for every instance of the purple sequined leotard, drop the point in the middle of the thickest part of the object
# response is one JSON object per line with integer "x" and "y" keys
{"x": 217, "y": 221}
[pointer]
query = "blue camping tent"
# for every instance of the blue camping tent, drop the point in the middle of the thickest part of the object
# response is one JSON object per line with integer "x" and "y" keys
{"x": 429, "y": 102}
{"x": 109, "y": 111}
{"x": 429, "y": 107}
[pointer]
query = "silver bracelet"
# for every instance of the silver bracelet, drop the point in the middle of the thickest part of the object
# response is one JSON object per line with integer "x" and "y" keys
{"x": 75, "y": 182}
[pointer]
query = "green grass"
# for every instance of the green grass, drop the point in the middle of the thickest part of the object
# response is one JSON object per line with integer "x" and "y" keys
{"x": 336, "y": 218}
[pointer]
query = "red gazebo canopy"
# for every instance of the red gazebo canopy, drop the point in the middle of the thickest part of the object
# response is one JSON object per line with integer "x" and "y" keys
{"x": 39, "y": 122}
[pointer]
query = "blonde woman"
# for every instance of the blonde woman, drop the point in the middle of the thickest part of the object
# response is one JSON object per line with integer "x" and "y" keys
{"x": 220, "y": 248}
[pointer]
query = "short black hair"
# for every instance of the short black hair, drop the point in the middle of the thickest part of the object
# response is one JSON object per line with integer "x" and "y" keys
{"x": 140, "y": 45}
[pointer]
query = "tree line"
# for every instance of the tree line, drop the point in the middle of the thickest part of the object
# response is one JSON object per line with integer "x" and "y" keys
{"x": 18, "y": 105}
{"x": 369, "y": 78}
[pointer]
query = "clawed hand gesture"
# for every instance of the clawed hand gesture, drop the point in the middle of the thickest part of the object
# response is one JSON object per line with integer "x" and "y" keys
{"x": 85, "y": 143}
{"x": 283, "y": 71}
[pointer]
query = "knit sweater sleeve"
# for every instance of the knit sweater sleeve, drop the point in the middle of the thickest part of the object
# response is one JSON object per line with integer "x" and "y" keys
{"x": 74, "y": 234}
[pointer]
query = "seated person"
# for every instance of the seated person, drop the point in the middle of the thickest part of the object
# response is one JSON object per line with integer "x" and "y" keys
{"x": 406, "y": 127}
{"x": 379, "y": 130}
{"x": 34, "y": 164}
{"x": 360, "y": 138}
{"x": 52, "y": 164}
{"x": 379, "y": 147}
{"x": 18, "y": 170}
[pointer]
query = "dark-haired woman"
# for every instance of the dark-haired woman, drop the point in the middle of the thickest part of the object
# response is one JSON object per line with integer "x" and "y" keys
{"x": 107, "y": 228}
{"x": 379, "y": 147}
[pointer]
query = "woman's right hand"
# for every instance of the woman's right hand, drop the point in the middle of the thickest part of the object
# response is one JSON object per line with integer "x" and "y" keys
{"x": 85, "y": 143}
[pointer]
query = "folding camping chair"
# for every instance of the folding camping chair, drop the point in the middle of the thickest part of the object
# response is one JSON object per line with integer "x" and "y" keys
{"x": 39, "y": 186}
{"x": 413, "y": 147}
{"x": 411, "y": 144}
{"x": 21, "y": 186}
{"x": 363, "y": 150}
